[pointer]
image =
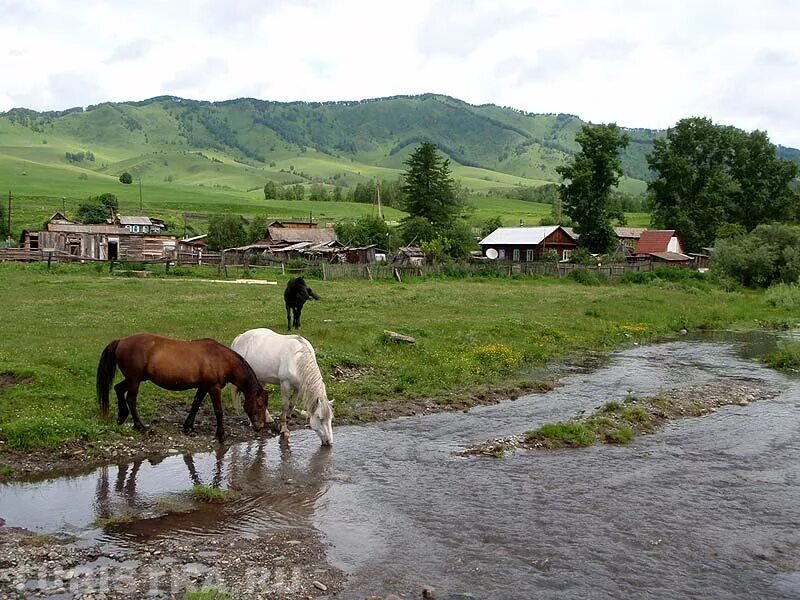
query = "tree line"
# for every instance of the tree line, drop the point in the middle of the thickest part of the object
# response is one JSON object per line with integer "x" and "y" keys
{"x": 708, "y": 179}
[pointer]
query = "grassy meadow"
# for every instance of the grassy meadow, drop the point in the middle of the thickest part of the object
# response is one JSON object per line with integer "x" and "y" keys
{"x": 472, "y": 334}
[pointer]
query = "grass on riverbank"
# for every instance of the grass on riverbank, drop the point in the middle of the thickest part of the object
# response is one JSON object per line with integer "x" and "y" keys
{"x": 472, "y": 336}
{"x": 212, "y": 495}
{"x": 786, "y": 357}
{"x": 207, "y": 594}
{"x": 621, "y": 422}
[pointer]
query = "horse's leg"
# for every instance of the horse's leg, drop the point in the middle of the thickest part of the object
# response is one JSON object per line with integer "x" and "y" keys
{"x": 289, "y": 316}
{"x": 286, "y": 397}
{"x": 216, "y": 401}
{"x": 133, "y": 392}
{"x": 188, "y": 424}
{"x": 122, "y": 405}
{"x": 297, "y": 312}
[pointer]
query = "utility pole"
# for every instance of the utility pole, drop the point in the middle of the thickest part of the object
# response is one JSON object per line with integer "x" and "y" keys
{"x": 9, "y": 213}
{"x": 378, "y": 198}
{"x": 140, "y": 194}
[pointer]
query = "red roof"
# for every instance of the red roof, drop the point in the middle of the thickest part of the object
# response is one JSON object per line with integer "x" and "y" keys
{"x": 654, "y": 240}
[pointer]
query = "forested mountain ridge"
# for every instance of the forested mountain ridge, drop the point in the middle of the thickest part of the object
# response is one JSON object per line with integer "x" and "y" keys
{"x": 323, "y": 141}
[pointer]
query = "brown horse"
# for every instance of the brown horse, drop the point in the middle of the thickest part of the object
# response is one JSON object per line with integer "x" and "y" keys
{"x": 204, "y": 364}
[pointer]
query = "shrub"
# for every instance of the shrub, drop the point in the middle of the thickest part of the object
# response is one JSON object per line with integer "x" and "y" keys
{"x": 783, "y": 295}
{"x": 769, "y": 254}
{"x": 586, "y": 277}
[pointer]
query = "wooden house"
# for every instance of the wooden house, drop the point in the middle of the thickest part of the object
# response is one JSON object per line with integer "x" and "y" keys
{"x": 661, "y": 246}
{"x": 629, "y": 236}
{"x": 293, "y": 232}
{"x": 140, "y": 224}
{"x": 410, "y": 255}
{"x": 99, "y": 242}
{"x": 528, "y": 244}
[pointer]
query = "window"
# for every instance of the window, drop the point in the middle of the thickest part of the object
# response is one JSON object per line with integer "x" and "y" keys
{"x": 566, "y": 254}
{"x": 501, "y": 254}
{"x": 516, "y": 254}
{"x": 134, "y": 229}
{"x": 529, "y": 255}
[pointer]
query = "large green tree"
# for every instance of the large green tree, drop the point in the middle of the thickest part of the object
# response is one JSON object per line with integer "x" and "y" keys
{"x": 709, "y": 175}
{"x": 428, "y": 187}
{"x": 369, "y": 229}
{"x": 97, "y": 208}
{"x": 226, "y": 231}
{"x": 270, "y": 190}
{"x": 588, "y": 181}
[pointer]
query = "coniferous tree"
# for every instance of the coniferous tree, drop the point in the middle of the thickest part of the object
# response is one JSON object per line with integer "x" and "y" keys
{"x": 428, "y": 187}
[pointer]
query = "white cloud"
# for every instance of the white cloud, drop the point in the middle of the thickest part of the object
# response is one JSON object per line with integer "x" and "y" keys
{"x": 640, "y": 64}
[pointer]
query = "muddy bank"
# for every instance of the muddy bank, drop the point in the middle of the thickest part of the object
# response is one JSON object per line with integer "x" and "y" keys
{"x": 164, "y": 436}
{"x": 619, "y": 422}
{"x": 284, "y": 565}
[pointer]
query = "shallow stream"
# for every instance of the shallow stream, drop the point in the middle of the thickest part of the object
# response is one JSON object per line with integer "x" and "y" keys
{"x": 705, "y": 508}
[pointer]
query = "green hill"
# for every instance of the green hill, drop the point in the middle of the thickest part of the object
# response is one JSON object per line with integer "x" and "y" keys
{"x": 240, "y": 143}
{"x": 195, "y": 156}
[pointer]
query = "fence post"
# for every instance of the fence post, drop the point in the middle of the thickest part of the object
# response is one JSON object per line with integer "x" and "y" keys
{"x": 324, "y": 274}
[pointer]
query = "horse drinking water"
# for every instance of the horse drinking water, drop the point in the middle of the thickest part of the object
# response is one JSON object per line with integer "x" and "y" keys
{"x": 295, "y": 296}
{"x": 171, "y": 364}
{"x": 289, "y": 360}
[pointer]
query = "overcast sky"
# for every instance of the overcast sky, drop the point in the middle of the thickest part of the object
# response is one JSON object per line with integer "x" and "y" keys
{"x": 643, "y": 63}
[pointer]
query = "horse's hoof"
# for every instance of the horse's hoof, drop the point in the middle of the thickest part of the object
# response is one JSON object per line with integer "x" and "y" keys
{"x": 188, "y": 431}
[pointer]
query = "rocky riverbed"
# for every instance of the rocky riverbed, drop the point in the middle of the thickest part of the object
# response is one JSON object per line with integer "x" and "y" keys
{"x": 638, "y": 415}
{"x": 288, "y": 565}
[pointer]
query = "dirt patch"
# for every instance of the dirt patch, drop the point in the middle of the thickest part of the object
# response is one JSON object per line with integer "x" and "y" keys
{"x": 620, "y": 422}
{"x": 8, "y": 380}
{"x": 288, "y": 565}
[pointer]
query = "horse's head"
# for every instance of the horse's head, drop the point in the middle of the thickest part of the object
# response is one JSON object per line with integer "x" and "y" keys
{"x": 255, "y": 405}
{"x": 320, "y": 421}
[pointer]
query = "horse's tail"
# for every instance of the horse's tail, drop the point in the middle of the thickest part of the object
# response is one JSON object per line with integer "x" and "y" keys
{"x": 312, "y": 294}
{"x": 106, "y": 369}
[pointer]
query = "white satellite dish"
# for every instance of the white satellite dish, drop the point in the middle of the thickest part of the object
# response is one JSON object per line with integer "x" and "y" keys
{"x": 491, "y": 253}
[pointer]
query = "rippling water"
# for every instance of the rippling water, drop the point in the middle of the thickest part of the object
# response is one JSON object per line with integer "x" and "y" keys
{"x": 706, "y": 508}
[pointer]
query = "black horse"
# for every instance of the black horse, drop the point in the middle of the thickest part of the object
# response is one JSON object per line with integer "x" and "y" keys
{"x": 295, "y": 295}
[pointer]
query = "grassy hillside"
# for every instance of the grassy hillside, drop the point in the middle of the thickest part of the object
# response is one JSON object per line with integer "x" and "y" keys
{"x": 198, "y": 158}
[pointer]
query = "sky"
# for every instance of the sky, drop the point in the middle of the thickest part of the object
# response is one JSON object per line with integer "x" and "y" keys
{"x": 645, "y": 63}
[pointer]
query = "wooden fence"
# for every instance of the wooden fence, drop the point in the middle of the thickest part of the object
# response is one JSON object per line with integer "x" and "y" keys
{"x": 384, "y": 271}
{"x": 341, "y": 271}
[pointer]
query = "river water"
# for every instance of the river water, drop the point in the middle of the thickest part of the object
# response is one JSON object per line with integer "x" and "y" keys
{"x": 705, "y": 508}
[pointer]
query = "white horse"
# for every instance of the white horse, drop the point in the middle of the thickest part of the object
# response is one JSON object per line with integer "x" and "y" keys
{"x": 290, "y": 361}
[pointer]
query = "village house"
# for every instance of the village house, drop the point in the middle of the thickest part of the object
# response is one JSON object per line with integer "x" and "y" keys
{"x": 292, "y": 232}
{"x": 140, "y": 224}
{"x": 105, "y": 241}
{"x": 661, "y": 246}
{"x": 629, "y": 236}
{"x": 528, "y": 244}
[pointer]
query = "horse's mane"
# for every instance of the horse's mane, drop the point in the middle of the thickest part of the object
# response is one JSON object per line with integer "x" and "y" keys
{"x": 312, "y": 386}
